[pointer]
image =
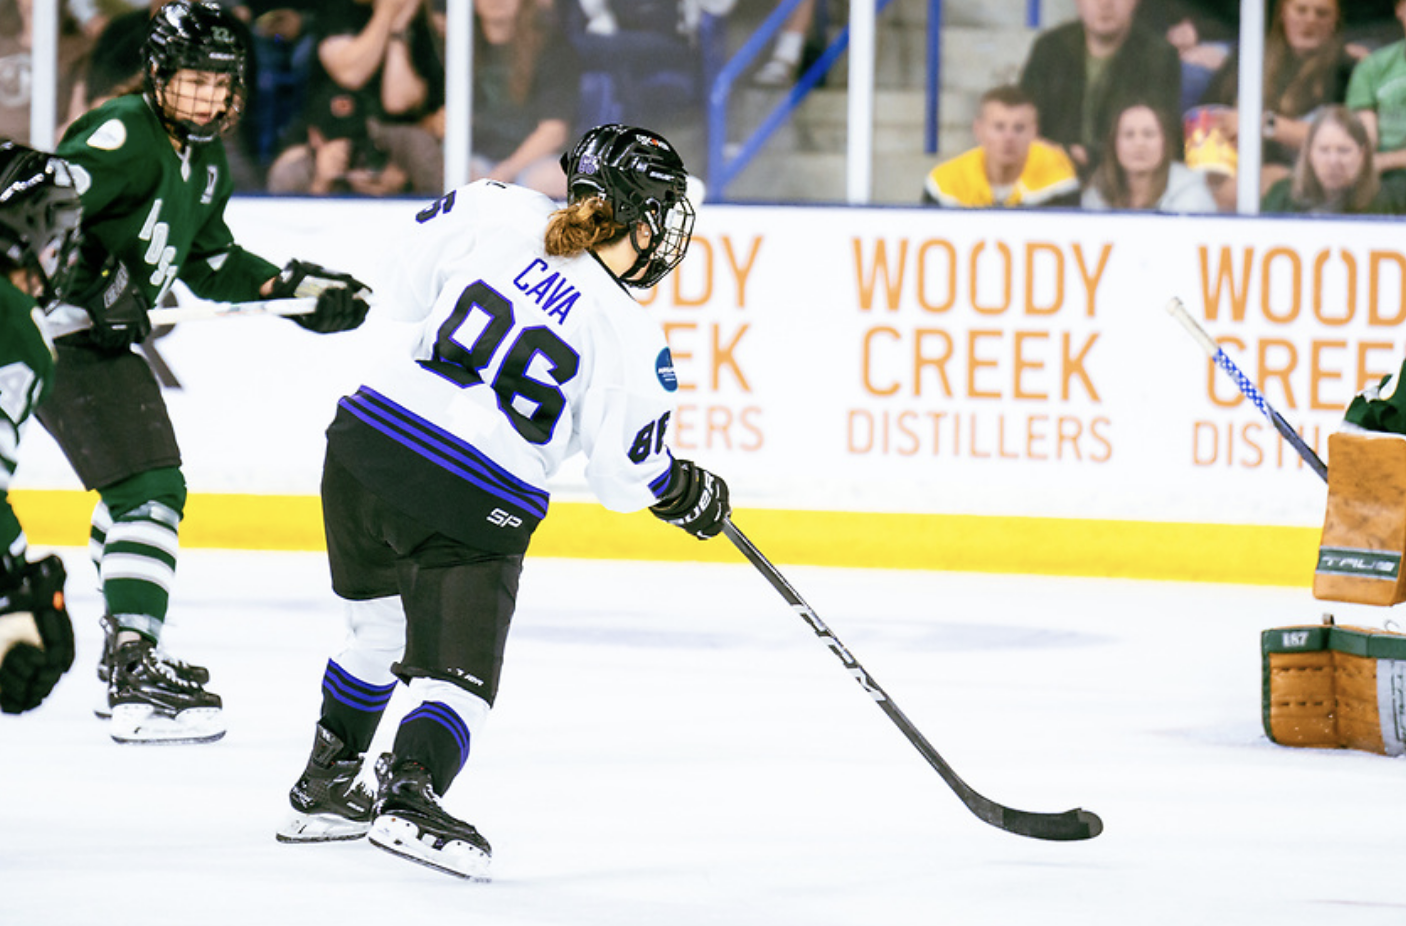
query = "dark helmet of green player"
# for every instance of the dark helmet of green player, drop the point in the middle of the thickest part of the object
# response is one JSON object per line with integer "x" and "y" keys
{"x": 39, "y": 216}
{"x": 198, "y": 37}
{"x": 643, "y": 178}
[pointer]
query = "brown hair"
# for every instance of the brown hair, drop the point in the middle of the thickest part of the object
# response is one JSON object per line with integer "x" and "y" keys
{"x": 1305, "y": 188}
{"x": 1111, "y": 180}
{"x": 1310, "y": 85}
{"x": 581, "y": 226}
{"x": 529, "y": 35}
{"x": 1008, "y": 95}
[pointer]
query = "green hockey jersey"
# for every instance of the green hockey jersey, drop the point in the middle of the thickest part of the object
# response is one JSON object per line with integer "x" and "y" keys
{"x": 26, "y": 374}
{"x": 159, "y": 211}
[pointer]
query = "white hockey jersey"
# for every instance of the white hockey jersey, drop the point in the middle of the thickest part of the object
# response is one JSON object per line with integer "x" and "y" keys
{"x": 522, "y": 360}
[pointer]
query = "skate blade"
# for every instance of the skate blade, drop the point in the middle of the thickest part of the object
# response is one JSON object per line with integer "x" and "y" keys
{"x": 402, "y": 838}
{"x": 319, "y": 827}
{"x": 101, "y": 709}
{"x": 141, "y": 724}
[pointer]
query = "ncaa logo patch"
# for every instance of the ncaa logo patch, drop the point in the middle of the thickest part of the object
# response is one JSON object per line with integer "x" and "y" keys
{"x": 664, "y": 369}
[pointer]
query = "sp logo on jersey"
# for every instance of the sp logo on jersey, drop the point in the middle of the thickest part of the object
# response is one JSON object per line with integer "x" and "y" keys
{"x": 664, "y": 369}
{"x": 500, "y": 518}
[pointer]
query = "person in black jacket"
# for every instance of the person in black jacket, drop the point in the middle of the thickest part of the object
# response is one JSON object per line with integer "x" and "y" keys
{"x": 1083, "y": 72}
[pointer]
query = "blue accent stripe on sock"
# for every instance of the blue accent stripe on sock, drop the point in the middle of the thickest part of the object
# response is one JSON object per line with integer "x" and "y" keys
{"x": 444, "y": 715}
{"x": 351, "y": 691}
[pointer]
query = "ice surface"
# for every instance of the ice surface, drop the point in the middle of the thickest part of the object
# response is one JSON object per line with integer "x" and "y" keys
{"x": 673, "y": 747}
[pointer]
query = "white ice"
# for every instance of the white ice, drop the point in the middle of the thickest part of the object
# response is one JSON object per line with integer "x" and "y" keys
{"x": 673, "y": 746}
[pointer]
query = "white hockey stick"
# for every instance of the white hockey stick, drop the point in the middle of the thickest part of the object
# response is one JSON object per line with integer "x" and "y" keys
{"x": 195, "y": 312}
{"x": 1222, "y": 360}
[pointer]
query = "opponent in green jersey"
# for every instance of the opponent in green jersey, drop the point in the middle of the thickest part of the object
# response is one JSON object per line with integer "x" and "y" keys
{"x": 39, "y": 212}
{"x": 154, "y": 182}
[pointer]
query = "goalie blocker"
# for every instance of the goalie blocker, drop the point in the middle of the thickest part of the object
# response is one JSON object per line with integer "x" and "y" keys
{"x": 1364, "y": 524}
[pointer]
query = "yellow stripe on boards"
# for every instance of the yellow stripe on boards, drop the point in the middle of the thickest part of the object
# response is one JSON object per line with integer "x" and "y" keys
{"x": 1244, "y": 554}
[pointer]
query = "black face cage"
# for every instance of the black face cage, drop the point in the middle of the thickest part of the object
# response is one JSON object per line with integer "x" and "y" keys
{"x": 671, "y": 227}
{"x": 39, "y": 217}
{"x": 185, "y": 130}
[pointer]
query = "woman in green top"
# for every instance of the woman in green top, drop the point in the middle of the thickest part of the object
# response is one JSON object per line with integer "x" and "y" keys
{"x": 1334, "y": 173}
{"x": 154, "y": 183}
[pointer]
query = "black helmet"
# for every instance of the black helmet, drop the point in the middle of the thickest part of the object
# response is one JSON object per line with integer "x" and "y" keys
{"x": 201, "y": 37}
{"x": 643, "y": 178}
{"x": 39, "y": 216}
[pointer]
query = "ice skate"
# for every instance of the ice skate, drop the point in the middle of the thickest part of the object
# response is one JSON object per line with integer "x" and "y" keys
{"x": 193, "y": 673}
{"x": 150, "y": 703}
{"x": 329, "y": 802}
{"x": 410, "y": 823}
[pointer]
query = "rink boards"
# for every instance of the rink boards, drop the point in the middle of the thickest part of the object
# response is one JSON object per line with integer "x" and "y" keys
{"x": 881, "y": 387}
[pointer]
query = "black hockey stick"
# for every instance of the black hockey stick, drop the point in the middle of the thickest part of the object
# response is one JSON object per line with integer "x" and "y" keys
{"x": 1072, "y": 824}
{"x": 1222, "y": 360}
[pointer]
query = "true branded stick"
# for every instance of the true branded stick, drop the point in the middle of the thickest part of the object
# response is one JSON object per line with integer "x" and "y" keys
{"x": 201, "y": 311}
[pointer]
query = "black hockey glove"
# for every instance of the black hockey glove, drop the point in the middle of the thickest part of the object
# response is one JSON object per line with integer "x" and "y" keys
{"x": 118, "y": 308}
{"x": 31, "y": 613}
{"x": 341, "y": 297}
{"x": 696, "y": 501}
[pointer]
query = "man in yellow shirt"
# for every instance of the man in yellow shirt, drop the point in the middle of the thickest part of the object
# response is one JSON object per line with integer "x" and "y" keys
{"x": 1009, "y": 166}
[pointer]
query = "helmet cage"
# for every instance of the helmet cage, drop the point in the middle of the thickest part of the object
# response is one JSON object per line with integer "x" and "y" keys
{"x": 199, "y": 37}
{"x": 644, "y": 180}
{"x": 39, "y": 218}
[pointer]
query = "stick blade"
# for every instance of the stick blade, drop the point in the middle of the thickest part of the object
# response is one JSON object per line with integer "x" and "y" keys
{"x": 1070, "y": 826}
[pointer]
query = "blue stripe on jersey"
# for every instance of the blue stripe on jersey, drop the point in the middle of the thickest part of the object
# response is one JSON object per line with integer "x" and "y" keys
{"x": 347, "y": 689}
{"x": 445, "y": 716}
{"x": 661, "y": 485}
{"x": 443, "y": 449}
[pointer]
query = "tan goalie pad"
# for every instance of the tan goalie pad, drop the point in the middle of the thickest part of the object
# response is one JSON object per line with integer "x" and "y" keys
{"x": 1364, "y": 525}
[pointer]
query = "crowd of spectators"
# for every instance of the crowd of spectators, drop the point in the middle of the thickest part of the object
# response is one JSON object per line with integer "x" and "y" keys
{"x": 1127, "y": 106}
{"x": 1142, "y": 98}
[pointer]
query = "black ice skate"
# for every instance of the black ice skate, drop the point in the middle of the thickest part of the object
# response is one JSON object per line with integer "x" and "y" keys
{"x": 410, "y": 823}
{"x": 150, "y": 703}
{"x": 329, "y": 802}
{"x": 192, "y": 673}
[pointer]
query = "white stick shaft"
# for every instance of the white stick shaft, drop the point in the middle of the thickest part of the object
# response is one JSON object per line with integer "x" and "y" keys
{"x": 200, "y": 312}
{"x": 1178, "y": 311}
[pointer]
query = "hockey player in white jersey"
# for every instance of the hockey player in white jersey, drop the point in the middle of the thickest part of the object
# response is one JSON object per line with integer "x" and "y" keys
{"x": 530, "y": 350}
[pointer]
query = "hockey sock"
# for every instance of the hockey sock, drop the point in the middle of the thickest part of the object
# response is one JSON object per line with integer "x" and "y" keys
{"x": 139, "y": 521}
{"x": 438, "y": 733}
{"x": 352, "y": 708}
{"x": 138, "y": 567}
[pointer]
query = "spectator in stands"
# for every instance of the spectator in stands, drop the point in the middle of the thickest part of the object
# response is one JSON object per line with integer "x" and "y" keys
{"x": 16, "y": 69}
{"x": 1305, "y": 66}
{"x": 1009, "y": 166}
{"x": 1082, "y": 72}
{"x": 377, "y": 75}
{"x": 1376, "y": 94}
{"x": 1140, "y": 170}
{"x": 527, "y": 85}
{"x": 780, "y": 69}
{"x": 1202, "y": 31}
{"x": 1334, "y": 172}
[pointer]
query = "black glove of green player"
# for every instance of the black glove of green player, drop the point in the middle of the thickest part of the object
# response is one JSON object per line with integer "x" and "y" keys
{"x": 341, "y": 297}
{"x": 118, "y": 308}
{"x": 32, "y": 610}
{"x": 696, "y": 501}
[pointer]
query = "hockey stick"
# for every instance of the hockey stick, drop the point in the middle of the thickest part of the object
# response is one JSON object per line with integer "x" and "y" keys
{"x": 1222, "y": 360}
{"x": 171, "y": 315}
{"x": 1072, "y": 824}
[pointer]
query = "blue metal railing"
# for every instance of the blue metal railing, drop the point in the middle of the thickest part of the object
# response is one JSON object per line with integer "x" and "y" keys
{"x": 722, "y": 169}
